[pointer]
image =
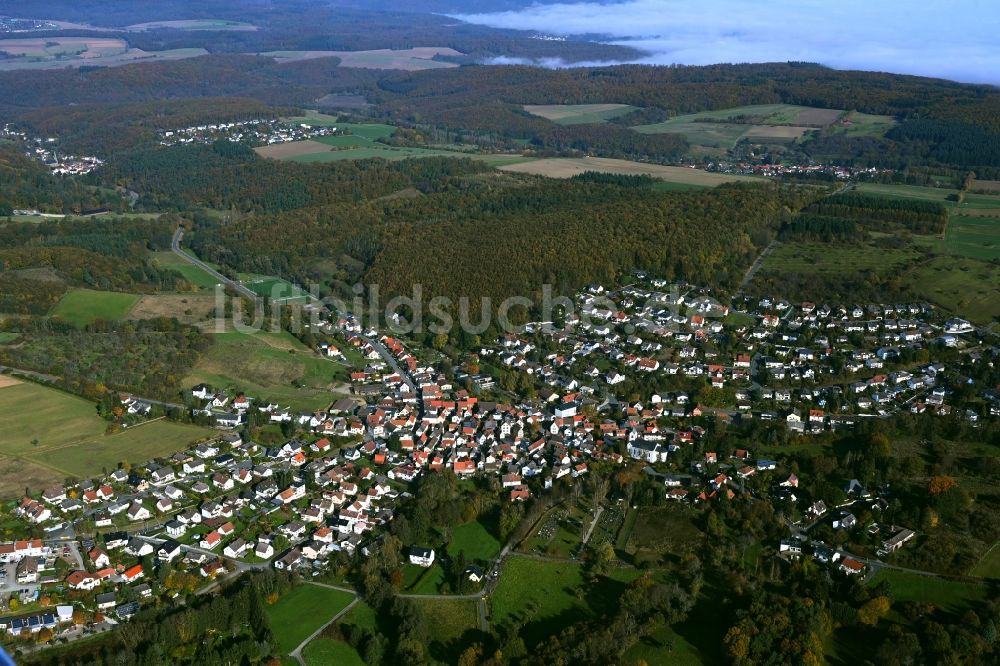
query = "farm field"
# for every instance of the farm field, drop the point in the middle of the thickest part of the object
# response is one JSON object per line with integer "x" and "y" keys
{"x": 950, "y": 595}
{"x": 907, "y": 192}
{"x": 302, "y": 611}
{"x": 193, "y": 308}
{"x": 568, "y": 167}
{"x": 973, "y": 236}
{"x": 856, "y": 123}
{"x": 194, "y": 24}
{"x": 291, "y": 149}
{"x": 576, "y": 114}
{"x": 322, "y": 651}
{"x": 269, "y": 366}
{"x": 763, "y": 123}
{"x": 410, "y": 60}
{"x": 63, "y": 52}
{"x": 989, "y": 185}
{"x": 38, "y": 421}
{"x": 82, "y": 306}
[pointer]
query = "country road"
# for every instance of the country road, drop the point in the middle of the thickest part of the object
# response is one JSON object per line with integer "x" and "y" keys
{"x": 175, "y": 247}
{"x": 757, "y": 264}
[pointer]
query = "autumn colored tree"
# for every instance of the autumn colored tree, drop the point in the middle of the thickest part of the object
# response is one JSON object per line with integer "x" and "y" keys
{"x": 940, "y": 484}
{"x": 873, "y": 610}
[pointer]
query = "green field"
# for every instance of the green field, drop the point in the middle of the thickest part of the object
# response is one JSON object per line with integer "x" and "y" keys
{"x": 961, "y": 285}
{"x": 864, "y": 124}
{"x": 761, "y": 123}
{"x": 578, "y": 114}
{"x": 475, "y": 541}
{"x": 973, "y": 236}
{"x": 6, "y": 337}
{"x": 907, "y": 192}
{"x": 806, "y": 257}
{"x": 82, "y": 306}
{"x": 950, "y": 595}
{"x": 314, "y": 118}
{"x": 302, "y": 611}
{"x": 662, "y": 646}
{"x": 323, "y": 651}
{"x": 366, "y": 152}
{"x": 191, "y": 273}
{"x": 265, "y": 365}
{"x": 64, "y": 432}
{"x": 989, "y": 565}
{"x": 274, "y": 288}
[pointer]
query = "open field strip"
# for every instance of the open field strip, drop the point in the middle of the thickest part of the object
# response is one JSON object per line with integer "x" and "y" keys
{"x": 567, "y": 167}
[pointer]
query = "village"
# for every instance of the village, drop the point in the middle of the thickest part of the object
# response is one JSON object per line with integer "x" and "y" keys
{"x": 46, "y": 151}
{"x": 257, "y": 132}
{"x": 640, "y": 375}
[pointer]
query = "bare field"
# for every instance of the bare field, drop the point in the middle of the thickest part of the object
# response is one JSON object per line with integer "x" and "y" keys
{"x": 44, "y": 47}
{"x": 577, "y": 113}
{"x": 7, "y": 380}
{"x": 195, "y": 24}
{"x": 569, "y": 167}
{"x": 412, "y": 60}
{"x": 16, "y": 475}
{"x": 777, "y": 132}
{"x": 284, "y": 151}
{"x": 817, "y": 117}
{"x": 186, "y": 308}
{"x": 990, "y": 185}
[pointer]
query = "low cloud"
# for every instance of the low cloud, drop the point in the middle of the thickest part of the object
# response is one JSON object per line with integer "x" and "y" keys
{"x": 958, "y": 39}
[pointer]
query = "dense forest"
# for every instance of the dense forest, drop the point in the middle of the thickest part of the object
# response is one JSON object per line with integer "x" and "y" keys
{"x": 148, "y": 357}
{"x": 944, "y": 123}
{"x": 38, "y": 261}
{"x": 27, "y": 184}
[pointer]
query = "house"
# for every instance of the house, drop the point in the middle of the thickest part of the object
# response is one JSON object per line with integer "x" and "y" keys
{"x": 211, "y": 540}
{"x": 99, "y": 558}
{"x": 423, "y": 557}
{"x": 851, "y": 566}
{"x": 133, "y": 574}
{"x": 264, "y": 550}
{"x": 236, "y": 548}
{"x": 106, "y": 600}
{"x": 27, "y": 571}
{"x": 844, "y": 521}
{"x": 82, "y": 580}
{"x": 175, "y": 529}
{"x": 138, "y": 512}
{"x": 474, "y": 573}
{"x": 168, "y": 550}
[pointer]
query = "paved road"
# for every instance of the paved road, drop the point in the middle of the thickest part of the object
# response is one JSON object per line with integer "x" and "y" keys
{"x": 593, "y": 524}
{"x": 297, "y": 652}
{"x": 175, "y": 246}
{"x": 757, "y": 264}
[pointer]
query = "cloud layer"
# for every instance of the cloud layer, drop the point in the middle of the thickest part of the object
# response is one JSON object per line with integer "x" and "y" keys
{"x": 954, "y": 39}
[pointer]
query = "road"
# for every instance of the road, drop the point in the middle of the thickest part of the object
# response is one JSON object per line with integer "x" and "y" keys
{"x": 297, "y": 652}
{"x": 757, "y": 264}
{"x": 175, "y": 246}
{"x": 593, "y": 524}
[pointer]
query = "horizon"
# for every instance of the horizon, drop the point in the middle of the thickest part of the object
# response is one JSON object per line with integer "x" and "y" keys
{"x": 958, "y": 42}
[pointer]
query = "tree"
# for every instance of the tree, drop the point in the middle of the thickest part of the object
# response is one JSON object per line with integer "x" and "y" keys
{"x": 873, "y": 610}
{"x": 940, "y": 484}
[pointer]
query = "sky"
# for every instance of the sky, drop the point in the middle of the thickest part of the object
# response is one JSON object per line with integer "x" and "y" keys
{"x": 952, "y": 39}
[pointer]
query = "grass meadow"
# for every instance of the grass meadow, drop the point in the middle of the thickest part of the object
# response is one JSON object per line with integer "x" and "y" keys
{"x": 82, "y": 306}
{"x": 302, "y": 611}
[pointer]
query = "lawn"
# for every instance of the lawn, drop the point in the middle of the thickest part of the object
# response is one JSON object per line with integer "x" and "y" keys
{"x": 949, "y": 595}
{"x": 449, "y": 620}
{"x": 82, "y": 306}
{"x": 475, "y": 540}
{"x": 907, "y": 192}
{"x": 269, "y": 366}
{"x": 420, "y": 580}
{"x": 323, "y": 651}
{"x": 302, "y": 611}
{"x": 662, "y": 646}
{"x": 989, "y": 565}
{"x": 63, "y": 433}
{"x": 6, "y": 337}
